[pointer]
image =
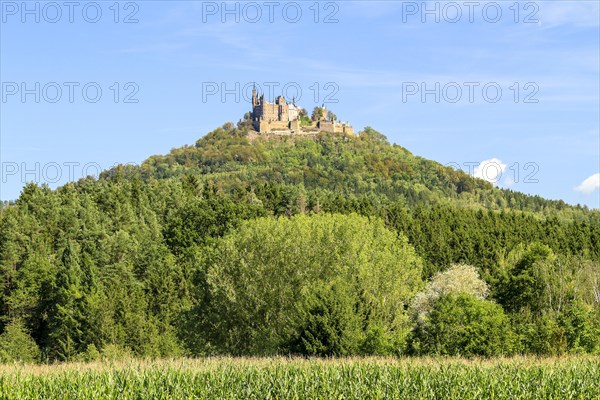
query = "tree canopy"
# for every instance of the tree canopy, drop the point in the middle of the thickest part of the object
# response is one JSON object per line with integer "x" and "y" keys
{"x": 308, "y": 245}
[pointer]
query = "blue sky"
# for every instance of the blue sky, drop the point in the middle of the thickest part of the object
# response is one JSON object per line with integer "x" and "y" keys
{"x": 513, "y": 85}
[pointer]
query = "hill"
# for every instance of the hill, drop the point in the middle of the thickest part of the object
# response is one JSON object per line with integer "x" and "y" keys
{"x": 348, "y": 165}
{"x": 161, "y": 259}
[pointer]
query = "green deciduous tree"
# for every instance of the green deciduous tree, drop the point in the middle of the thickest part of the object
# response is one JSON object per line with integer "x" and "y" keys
{"x": 318, "y": 113}
{"x": 315, "y": 285}
{"x": 524, "y": 286}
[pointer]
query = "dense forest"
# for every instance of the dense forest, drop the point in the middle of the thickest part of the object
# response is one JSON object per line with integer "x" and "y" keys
{"x": 325, "y": 245}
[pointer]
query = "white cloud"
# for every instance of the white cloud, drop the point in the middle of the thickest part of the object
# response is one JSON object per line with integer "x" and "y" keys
{"x": 490, "y": 170}
{"x": 589, "y": 185}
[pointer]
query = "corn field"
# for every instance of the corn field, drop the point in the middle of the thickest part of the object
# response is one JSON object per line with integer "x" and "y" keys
{"x": 288, "y": 378}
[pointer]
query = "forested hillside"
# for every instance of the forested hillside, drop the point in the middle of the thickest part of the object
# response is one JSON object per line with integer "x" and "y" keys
{"x": 330, "y": 245}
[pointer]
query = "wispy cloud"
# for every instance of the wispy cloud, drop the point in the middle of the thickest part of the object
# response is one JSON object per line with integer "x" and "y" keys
{"x": 577, "y": 13}
{"x": 161, "y": 47}
{"x": 370, "y": 9}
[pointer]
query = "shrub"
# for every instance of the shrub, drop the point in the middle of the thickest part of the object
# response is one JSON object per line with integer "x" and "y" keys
{"x": 459, "y": 278}
{"x": 17, "y": 345}
{"x": 462, "y": 324}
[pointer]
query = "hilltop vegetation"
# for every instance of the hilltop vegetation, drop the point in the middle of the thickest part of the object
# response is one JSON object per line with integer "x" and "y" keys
{"x": 332, "y": 166}
{"x": 330, "y": 245}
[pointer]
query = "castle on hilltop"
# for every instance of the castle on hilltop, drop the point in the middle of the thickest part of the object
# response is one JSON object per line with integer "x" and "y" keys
{"x": 285, "y": 118}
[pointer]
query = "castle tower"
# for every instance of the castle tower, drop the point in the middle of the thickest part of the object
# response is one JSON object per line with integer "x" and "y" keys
{"x": 254, "y": 96}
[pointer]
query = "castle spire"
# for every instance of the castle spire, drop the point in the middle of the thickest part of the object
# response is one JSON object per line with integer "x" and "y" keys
{"x": 254, "y": 96}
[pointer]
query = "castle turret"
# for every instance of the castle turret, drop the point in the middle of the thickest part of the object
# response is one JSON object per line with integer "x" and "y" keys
{"x": 254, "y": 96}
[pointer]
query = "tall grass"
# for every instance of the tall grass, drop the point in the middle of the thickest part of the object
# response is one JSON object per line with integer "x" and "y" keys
{"x": 283, "y": 378}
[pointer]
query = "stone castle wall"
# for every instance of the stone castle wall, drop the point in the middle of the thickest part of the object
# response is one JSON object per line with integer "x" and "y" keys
{"x": 335, "y": 127}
